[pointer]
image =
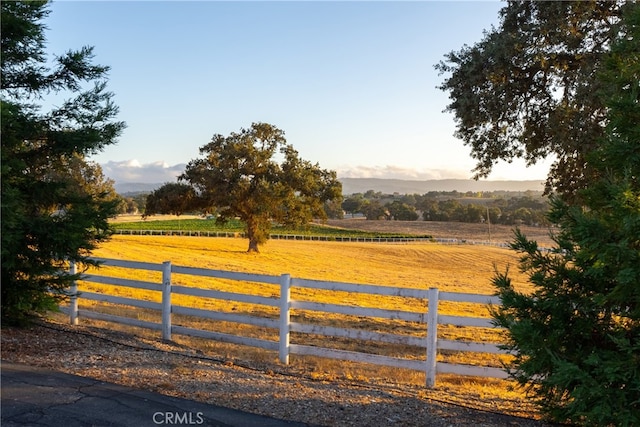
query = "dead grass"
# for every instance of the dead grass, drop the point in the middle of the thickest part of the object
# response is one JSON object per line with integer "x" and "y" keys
{"x": 462, "y": 268}
{"x": 414, "y": 265}
{"x": 495, "y": 233}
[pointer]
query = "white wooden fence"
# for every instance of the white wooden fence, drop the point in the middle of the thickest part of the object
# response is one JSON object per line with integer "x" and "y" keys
{"x": 359, "y": 239}
{"x": 430, "y": 317}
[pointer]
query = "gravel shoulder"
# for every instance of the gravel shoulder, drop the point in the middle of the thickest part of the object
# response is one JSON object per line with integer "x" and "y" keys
{"x": 171, "y": 369}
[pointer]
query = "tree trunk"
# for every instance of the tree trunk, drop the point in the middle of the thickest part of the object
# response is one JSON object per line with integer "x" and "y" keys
{"x": 253, "y": 234}
{"x": 253, "y": 246}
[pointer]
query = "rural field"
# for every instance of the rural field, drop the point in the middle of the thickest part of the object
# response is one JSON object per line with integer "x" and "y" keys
{"x": 496, "y": 233}
{"x": 454, "y": 268}
{"x": 309, "y": 389}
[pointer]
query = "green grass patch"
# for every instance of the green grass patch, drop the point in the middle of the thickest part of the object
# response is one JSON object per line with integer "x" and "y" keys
{"x": 192, "y": 224}
{"x": 237, "y": 226}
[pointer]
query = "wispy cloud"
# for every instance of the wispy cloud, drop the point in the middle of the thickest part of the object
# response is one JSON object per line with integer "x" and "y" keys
{"x": 147, "y": 173}
{"x": 132, "y": 171}
{"x": 398, "y": 172}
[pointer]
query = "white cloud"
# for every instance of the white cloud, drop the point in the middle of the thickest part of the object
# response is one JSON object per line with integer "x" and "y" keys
{"x": 148, "y": 173}
{"x": 132, "y": 171}
{"x": 398, "y": 172}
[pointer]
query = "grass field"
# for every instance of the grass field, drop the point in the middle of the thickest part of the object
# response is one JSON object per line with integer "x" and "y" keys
{"x": 417, "y": 265}
{"x": 496, "y": 233}
{"x": 348, "y": 227}
{"x": 414, "y": 265}
{"x": 199, "y": 224}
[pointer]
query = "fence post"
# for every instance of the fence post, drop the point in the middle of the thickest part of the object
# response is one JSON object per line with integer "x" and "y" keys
{"x": 166, "y": 300}
{"x": 73, "y": 299}
{"x": 432, "y": 336}
{"x": 285, "y": 297}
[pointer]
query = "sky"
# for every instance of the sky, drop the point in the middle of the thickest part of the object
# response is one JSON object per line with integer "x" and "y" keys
{"x": 352, "y": 84}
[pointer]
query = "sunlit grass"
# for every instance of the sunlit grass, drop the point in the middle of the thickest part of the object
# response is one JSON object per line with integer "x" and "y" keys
{"x": 414, "y": 265}
{"x": 198, "y": 224}
{"x": 449, "y": 268}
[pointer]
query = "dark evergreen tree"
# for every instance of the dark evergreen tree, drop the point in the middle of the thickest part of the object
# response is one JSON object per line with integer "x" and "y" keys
{"x": 55, "y": 204}
{"x": 577, "y": 336}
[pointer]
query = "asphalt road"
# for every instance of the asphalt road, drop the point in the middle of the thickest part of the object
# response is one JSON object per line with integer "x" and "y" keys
{"x": 44, "y": 398}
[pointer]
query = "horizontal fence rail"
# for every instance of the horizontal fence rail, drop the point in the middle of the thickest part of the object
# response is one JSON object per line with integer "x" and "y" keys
{"x": 239, "y": 234}
{"x": 282, "y": 306}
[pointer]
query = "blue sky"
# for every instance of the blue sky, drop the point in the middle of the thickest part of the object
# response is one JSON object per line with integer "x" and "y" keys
{"x": 352, "y": 84}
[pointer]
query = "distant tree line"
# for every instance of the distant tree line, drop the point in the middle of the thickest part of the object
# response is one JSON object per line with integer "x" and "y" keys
{"x": 131, "y": 203}
{"x": 135, "y": 204}
{"x": 503, "y": 207}
{"x": 509, "y": 208}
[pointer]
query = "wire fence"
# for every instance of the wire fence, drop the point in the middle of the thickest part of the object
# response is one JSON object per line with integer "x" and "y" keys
{"x": 320, "y": 238}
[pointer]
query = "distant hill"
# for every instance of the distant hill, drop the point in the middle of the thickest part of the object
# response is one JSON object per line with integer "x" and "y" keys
{"x": 127, "y": 188}
{"x": 390, "y": 186}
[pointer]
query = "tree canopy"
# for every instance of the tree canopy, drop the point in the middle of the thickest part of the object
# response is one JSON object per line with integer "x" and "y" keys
{"x": 577, "y": 337}
{"x": 529, "y": 89}
{"x": 172, "y": 198}
{"x": 241, "y": 176}
{"x": 55, "y": 204}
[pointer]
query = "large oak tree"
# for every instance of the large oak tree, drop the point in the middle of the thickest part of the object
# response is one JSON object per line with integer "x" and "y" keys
{"x": 529, "y": 88}
{"x": 256, "y": 176}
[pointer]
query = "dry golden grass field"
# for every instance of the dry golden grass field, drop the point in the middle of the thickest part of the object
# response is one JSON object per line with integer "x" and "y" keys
{"x": 457, "y": 268}
{"x": 495, "y": 233}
